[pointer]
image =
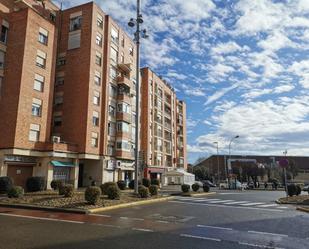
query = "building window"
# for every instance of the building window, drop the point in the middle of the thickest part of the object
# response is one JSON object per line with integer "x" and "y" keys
{"x": 97, "y": 78}
{"x": 123, "y": 107}
{"x": 75, "y": 23}
{"x": 61, "y": 61}
{"x": 114, "y": 55}
{"x": 98, "y": 40}
{"x": 4, "y": 34}
{"x": 122, "y": 41}
{"x": 131, "y": 51}
{"x": 112, "y": 90}
{"x": 111, "y": 129}
{"x": 59, "y": 98}
{"x": 122, "y": 58}
{"x": 1, "y": 79}
{"x": 2, "y": 56}
{"x": 123, "y": 145}
{"x": 110, "y": 149}
{"x": 111, "y": 110}
{"x": 100, "y": 21}
{"x": 43, "y": 36}
{"x": 34, "y": 133}
{"x": 94, "y": 139}
{"x": 123, "y": 127}
{"x": 96, "y": 98}
{"x": 41, "y": 59}
{"x": 114, "y": 36}
{"x": 36, "y": 107}
{"x": 74, "y": 40}
{"x": 38, "y": 83}
{"x": 59, "y": 81}
{"x": 98, "y": 59}
{"x": 113, "y": 72}
{"x": 58, "y": 120}
{"x": 95, "y": 118}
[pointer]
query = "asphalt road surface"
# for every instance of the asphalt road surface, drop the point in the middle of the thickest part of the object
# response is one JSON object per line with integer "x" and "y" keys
{"x": 228, "y": 219}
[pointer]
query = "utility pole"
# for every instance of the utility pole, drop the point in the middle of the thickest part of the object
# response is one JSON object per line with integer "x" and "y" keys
{"x": 218, "y": 167}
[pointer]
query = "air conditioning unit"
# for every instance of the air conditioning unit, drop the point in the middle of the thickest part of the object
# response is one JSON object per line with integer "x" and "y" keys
{"x": 56, "y": 139}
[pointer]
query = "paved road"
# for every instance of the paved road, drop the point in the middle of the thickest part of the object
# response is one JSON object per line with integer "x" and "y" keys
{"x": 248, "y": 219}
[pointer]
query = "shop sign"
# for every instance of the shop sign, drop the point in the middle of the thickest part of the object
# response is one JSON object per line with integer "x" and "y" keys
{"x": 21, "y": 159}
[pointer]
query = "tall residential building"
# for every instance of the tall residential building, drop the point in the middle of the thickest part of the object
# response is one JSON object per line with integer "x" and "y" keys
{"x": 163, "y": 130}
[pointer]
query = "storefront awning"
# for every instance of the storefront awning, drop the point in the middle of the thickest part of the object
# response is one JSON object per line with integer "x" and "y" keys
{"x": 62, "y": 164}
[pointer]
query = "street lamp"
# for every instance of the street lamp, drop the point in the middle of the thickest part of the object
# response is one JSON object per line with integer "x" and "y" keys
{"x": 217, "y": 143}
{"x": 230, "y": 164}
{"x": 137, "y": 36}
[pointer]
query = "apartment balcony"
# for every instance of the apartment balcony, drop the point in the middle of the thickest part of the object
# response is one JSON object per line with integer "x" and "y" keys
{"x": 122, "y": 116}
{"x": 123, "y": 135}
{"x": 59, "y": 147}
{"x": 123, "y": 80}
{"x": 125, "y": 67}
{"x": 168, "y": 126}
{"x": 125, "y": 97}
{"x": 121, "y": 154}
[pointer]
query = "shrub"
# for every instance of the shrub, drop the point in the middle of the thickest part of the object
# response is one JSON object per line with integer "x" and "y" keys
{"x": 15, "y": 192}
{"x": 105, "y": 186}
{"x": 113, "y": 192}
{"x": 56, "y": 184}
{"x": 6, "y": 184}
{"x": 35, "y": 183}
{"x": 195, "y": 187}
{"x": 155, "y": 181}
{"x": 92, "y": 195}
{"x": 67, "y": 190}
{"x": 292, "y": 190}
{"x": 298, "y": 190}
{"x": 131, "y": 184}
{"x": 121, "y": 184}
{"x": 143, "y": 191}
{"x": 146, "y": 182}
{"x": 153, "y": 189}
{"x": 185, "y": 188}
{"x": 206, "y": 188}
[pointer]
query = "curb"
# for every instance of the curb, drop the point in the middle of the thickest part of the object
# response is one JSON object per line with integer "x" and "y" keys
{"x": 136, "y": 203}
{"x": 196, "y": 194}
{"x": 51, "y": 209}
{"x": 303, "y": 209}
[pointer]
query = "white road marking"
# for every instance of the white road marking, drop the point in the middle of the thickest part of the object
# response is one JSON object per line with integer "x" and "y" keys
{"x": 129, "y": 218}
{"x": 101, "y": 215}
{"x": 259, "y": 246}
{"x": 235, "y": 202}
{"x": 199, "y": 237}
{"x": 282, "y": 207}
{"x": 162, "y": 221}
{"x": 269, "y": 205}
{"x": 252, "y": 204}
{"x": 222, "y": 228}
{"x": 142, "y": 229}
{"x": 105, "y": 225}
{"x": 265, "y": 233}
{"x": 42, "y": 218}
{"x": 223, "y": 206}
{"x": 221, "y": 201}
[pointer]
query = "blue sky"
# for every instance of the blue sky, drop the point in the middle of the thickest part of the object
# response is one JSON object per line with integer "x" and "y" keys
{"x": 241, "y": 66}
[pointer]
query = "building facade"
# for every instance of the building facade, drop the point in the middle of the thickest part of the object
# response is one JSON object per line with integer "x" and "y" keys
{"x": 163, "y": 129}
{"x": 67, "y": 104}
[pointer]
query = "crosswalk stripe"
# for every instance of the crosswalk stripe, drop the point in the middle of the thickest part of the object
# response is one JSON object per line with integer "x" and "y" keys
{"x": 252, "y": 204}
{"x": 269, "y": 205}
{"x": 221, "y": 201}
{"x": 282, "y": 207}
{"x": 235, "y": 202}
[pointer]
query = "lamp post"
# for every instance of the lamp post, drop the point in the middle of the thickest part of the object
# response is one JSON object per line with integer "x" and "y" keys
{"x": 137, "y": 36}
{"x": 285, "y": 178}
{"x": 217, "y": 143}
{"x": 230, "y": 164}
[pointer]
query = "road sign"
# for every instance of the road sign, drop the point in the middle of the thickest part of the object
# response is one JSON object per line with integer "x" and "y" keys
{"x": 283, "y": 163}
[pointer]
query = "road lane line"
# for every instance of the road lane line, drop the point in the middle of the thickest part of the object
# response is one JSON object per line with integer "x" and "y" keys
{"x": 222, "y": 228}
{"x": 162, "y": 221}
{"x": 42, "y": 218}
{"x": 101, "y": 215}
{"x": 221, "y": 201}
{"x": 142, "y": 229}
{"x": 265, "y": 233}
{"x": 269, "y": 205}
{"x": 282, "y": 207}
{"x": 235, "y": 202}
{"x": 105, "y": 225}
{"x": 259, "y": 246}
{"x": 199, "y": 237}
{"x": 223, "y": 206}
{"x": 252, "y": 204}
{"x": 129, "y": 218}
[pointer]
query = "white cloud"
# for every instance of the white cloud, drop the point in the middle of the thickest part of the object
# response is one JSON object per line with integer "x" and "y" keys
{"x": 227, "y": 48}
{"x": 219, "y": 94}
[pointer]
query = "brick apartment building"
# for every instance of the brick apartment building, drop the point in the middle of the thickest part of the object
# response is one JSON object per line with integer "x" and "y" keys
{"x": 67, "y": 96}
{"x": 163, "y": 131}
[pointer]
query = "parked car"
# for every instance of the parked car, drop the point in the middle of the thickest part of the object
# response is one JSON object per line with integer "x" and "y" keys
{"x": 306, "y": 188}
{"x": 209, "y": 183}
{"x": 235, "y": 184}
{"x": 251, "y": 185}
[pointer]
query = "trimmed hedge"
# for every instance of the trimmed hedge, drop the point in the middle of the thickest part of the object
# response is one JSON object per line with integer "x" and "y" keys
{"x": 15, "y": 192}
{"x": 143, "y": 191}
{"x": 206, "y": 188}
{"x": 195, "y": 187}
{"x": 153, "y": 189}
{"x": 35, "y": 184}
{"x": 6, "y": 183}
{"x": 67, "y": 190}
{"x": 292, "y": 189}
{"x": 155, "y": 181}
{"x": 131, "y": 184}
{"x": 121, "y": 185}
{"x": 113, "y": 192}
{"x": 185, "y": 188}
{"x": 298, "y": 190}
{"x": 56, "y": 184}
{"x": 92, "y": 195}
{"x": 106, "y": 185}
{"x": 146, "y": 182}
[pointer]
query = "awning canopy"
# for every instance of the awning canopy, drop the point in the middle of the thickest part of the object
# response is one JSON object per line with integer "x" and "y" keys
{"x": 62, "y": 164}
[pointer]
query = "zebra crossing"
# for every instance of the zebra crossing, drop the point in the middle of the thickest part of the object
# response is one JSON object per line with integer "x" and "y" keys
{"x": 229, "y": 202}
